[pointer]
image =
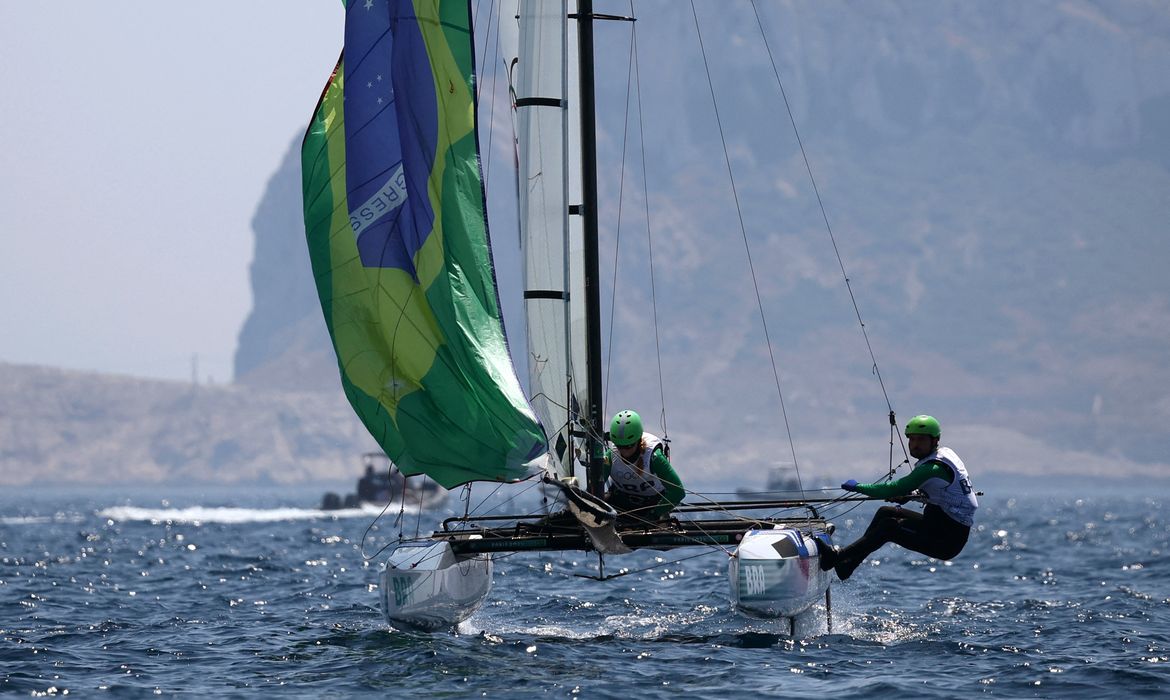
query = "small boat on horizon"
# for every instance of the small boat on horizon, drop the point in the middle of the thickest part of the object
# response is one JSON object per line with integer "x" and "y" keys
{"x": 782, "y": 483}
{"x": 382, "y": 484}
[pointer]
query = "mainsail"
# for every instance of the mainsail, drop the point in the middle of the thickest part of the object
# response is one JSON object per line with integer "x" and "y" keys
{"x": 397, "y": 233}
{"x": 535, "y": 50}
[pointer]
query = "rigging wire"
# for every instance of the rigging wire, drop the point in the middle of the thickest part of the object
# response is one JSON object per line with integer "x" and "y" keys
{"x": 634, "y": 83}
{"x": 618, "y": 234}
{"x": 825, "y": 218}
{"x": 399, "y": 519}
{"x": 487, "y": 166}
{"x": 649, "y": 230}
{"x": 747, "y": 247}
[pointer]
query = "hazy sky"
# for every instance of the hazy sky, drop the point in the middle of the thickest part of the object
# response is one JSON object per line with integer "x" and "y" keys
{"x": 138, "y": 139}
{"x": 141, "y": 136}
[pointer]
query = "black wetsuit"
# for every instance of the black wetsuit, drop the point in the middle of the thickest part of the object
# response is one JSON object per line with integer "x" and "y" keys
{"x": 931, "y": 532}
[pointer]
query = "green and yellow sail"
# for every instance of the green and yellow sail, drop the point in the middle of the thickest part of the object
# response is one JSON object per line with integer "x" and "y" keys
{"x": 395, "y": 218}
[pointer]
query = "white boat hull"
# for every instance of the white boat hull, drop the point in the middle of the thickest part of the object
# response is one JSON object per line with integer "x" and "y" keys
{"x": 776, "y": 573}
{"x": 427, "y": 587}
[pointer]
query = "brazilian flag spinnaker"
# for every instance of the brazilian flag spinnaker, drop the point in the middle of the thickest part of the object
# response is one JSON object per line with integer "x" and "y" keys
{"x": 395, "y": 219}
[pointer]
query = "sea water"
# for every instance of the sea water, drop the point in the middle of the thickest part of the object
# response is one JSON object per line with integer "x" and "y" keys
{"x": 1057, "y": 595}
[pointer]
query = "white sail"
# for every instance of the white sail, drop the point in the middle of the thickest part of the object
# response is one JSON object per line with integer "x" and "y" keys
{"x": 578, "y": 330}
{"x": 553, "y": 291}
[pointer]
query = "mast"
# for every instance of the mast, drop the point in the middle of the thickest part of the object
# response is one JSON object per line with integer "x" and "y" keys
{"x": 589, "y": 227}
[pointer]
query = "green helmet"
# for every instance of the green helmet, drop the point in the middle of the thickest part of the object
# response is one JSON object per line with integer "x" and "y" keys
{"x": 625, "y": 429}
{"x": 923, "y": 425}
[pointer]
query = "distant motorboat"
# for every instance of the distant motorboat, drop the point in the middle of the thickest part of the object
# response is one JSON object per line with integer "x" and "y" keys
{"x": 382, "y": 484}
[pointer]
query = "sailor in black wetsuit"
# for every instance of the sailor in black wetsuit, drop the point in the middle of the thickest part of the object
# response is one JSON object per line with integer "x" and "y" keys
{"x": 940, "y": 531}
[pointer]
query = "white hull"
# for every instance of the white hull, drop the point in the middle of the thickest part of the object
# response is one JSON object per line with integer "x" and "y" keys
{"x": 427, "y": 587}
{"x": 776, "y": 573}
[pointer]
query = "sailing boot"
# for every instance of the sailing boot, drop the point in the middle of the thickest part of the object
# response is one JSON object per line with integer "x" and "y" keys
{"x": 845, "y": 567}
{"x": 827, "y": 553}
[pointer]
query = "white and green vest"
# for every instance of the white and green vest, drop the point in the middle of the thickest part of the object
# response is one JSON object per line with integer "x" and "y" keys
{"x": 956, "y": 499}
{"x": 625, "y": 477}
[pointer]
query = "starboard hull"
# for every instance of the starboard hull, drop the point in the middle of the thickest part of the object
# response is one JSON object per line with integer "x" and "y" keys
{"x": 428, "y": 587}
{"x": 777, "y": 573}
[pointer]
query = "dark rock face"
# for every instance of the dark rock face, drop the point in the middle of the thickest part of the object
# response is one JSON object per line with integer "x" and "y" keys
{"x": 284, "y": 343}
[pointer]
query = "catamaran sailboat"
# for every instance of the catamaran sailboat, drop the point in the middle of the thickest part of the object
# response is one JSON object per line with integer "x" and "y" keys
{"x": 396, "y": 223}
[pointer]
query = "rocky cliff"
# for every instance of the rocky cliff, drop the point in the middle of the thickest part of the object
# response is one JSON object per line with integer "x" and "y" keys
{"x": 284, "y": 343}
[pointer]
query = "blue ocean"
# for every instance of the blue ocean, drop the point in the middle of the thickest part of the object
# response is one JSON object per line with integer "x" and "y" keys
{"x": 1058, "y": 595}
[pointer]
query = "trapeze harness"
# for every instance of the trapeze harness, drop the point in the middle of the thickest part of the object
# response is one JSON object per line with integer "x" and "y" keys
{"x": 638, "y": 488}
{"x": 956, "y": 499}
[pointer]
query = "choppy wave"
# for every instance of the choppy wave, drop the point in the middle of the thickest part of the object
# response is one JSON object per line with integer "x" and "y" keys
{"x": 41, "y": 519}
{"x": 205, "y": 514}
{"x": 1051, "y": 598}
